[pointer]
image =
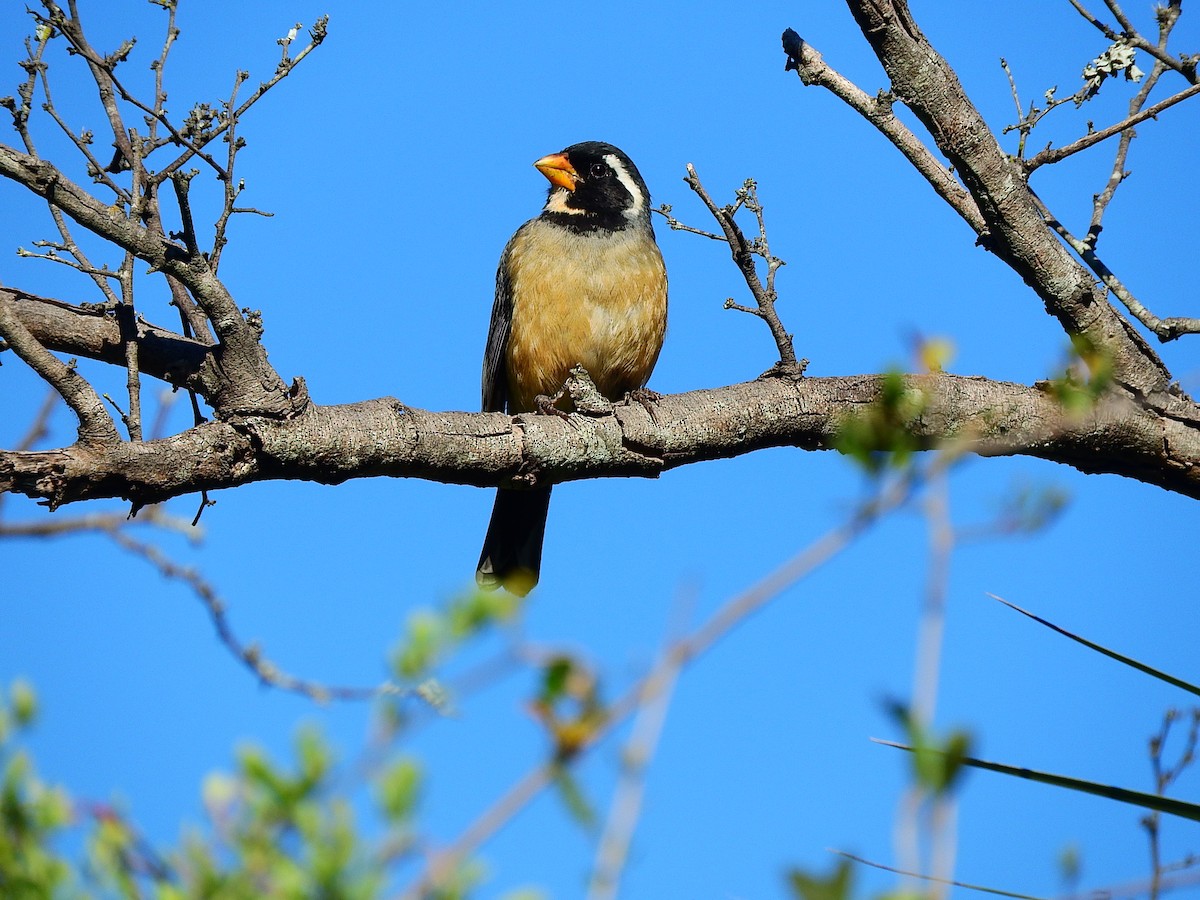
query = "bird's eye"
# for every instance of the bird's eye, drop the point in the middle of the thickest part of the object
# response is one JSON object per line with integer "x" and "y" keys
{"x": 598, "y": 170}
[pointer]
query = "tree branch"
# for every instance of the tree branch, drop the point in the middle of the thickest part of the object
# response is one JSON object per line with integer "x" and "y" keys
{"x": 927, "y": 84}
{"x": 743, "y": 252}
{"x": 251, "y": 385}
{"x": 1054, "y": 154}
{"x": 96, "y": 428}
{"x": 93, "y": 333}
{"x": 812, "y": 69}
{"x": 332, "y": 444}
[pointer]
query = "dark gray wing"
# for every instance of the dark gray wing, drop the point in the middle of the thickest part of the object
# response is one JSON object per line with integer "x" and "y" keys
{"x": 495, "y": 378}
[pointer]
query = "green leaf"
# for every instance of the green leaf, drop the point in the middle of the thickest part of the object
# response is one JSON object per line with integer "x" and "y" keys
{"x": 398, "y": 790}
{"x": 315, "y": 757}
{"x": 836, "y": 886}
{"x": 935, "y": 767}
{"x": 880, "y": 436}
{"x": 526, "y": 893}
{"x": 478, "y": 610}
{"x": 555, "y": 677}
{"x": 422, "y": 646}
{"x": 24, "y": 702}
{"x": 572, "y": 795}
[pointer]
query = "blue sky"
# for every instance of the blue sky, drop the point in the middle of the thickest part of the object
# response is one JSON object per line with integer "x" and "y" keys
{"x": 396, "y": 161}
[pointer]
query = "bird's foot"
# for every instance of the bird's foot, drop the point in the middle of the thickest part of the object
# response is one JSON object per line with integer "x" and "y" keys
{"x": 546, "y": 405}
{"x": 647, "y": 398}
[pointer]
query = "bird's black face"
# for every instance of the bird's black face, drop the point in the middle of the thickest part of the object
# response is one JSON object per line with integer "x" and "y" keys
{"x": 594, "y": 186}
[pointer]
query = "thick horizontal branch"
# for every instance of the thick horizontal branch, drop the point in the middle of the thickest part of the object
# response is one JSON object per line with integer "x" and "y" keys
{"x": 385, "y": 438}
{"x": 95, "y": 425}
{"x": 93, "y": 333}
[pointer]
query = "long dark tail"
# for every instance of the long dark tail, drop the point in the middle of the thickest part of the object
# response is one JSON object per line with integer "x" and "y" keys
{"x": 512, "y": 550}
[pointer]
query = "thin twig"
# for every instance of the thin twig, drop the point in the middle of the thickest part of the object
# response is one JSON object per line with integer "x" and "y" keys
{"x": 1029, "y": 120}
{"x": 251, "y": 655}
{"x": 1096, "y": 23}
{"x": 1021, "y": 117}
{"x": 159, "y": 67}
{"x": 1165, "y": 329}
{"x": 812, "y": 69}
{"x": 912, "y": 874}
{"x": 925, "y": 684}
{"x": 231, "y": 191}
{"x": 743, "y": 252}
{"x": 1055, "y": 154}
{"x": 128, "y": 327}
{"x": 1164, "y": 777}
{"x": 493, "y": 818}
{"x": 1134, "y": 38}
{"x": 39, "y": 428}
{"x": 82, "y": 143}
{"x": 1118, "y": 174}
{"x": 102, "y": 73}
{"x": 627, "y": 799}
{"x": 676, "y": 657}
{"x": 81, "y": 262}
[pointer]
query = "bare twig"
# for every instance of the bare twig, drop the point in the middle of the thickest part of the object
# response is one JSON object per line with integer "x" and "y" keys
{"x": 1055, "y": 154}
{"x": 250, "y": 655}
{"x": 36, "y": 67}
{"x": 1132, "y": 37}
{"x": 39, "y": 428}
{"x": 231, "y": 191}
{"x": 444, "y": 863}
{"x": 181, "y": 182}
{"x": 1118, "y": 174}
{"x": 496, "y": 816}
{"x": 1165, "y": 329}
{"x": 102, "y": 69}
{"x": 39, "y": 425}
{"x": 1164, "y": 777}
{"x": 627, "y": 800}
{"x": 916, "y": 798}
{"x": 194, "y": 322}
{"x": 51, "y": 255}
{"x": 744, "y": 252}
{"x": 934, "y": 879}
{"x": 676, "y": 225}
{"x": 812, "y": 69}
{"x": 1096, "y": 23}
{"x": 82, "y": 142}
{"x": 1021, "y": 117}
{"x": 159, "y": 66}
{"x": 1028, "y": 120}
{"x": 33, "y": 66}
{"x": 116, "y": 526}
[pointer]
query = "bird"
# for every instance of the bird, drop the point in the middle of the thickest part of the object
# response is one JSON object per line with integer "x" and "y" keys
{"x": 583, "y": 283}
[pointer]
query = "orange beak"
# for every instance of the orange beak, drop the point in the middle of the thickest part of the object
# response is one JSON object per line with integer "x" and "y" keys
{"x": 558, "y": 169}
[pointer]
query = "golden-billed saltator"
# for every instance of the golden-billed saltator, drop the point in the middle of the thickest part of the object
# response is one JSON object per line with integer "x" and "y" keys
{"x": 581, "y": 284}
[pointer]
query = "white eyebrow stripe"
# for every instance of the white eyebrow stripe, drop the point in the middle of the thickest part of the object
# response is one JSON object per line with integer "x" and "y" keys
{"x": 623, "y": 176}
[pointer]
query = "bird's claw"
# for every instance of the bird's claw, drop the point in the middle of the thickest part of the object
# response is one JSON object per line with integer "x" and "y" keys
{"x": 647, "y": 398}
{"x": 545, "y": 405}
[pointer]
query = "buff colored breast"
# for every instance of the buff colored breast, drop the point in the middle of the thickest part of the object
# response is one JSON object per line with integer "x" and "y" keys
{"x": 602, "y": 306}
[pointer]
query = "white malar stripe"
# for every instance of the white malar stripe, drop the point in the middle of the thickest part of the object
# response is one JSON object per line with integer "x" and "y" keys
{"x": 623, "y": 176}
{"x": 557, "y": 203}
